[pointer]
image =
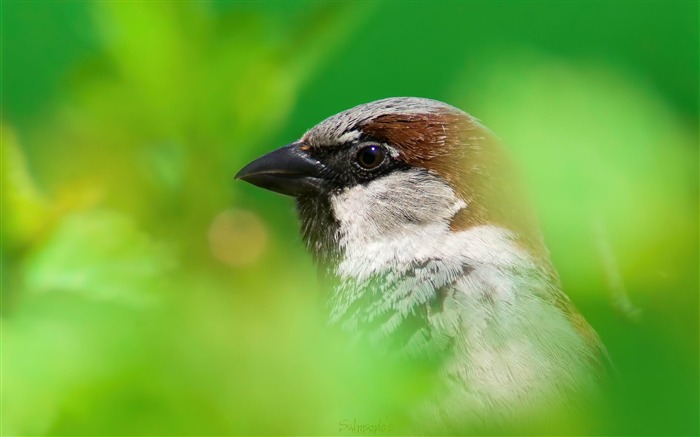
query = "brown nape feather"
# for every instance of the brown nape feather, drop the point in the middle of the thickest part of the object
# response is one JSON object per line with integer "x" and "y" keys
{"x": 455, "y": 146}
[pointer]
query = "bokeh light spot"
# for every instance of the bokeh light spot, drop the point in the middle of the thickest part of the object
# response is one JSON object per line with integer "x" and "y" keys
{"x": 237, "y": 237}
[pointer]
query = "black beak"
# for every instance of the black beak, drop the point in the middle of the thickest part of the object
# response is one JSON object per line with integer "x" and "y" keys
{"x": 288, "y": 170}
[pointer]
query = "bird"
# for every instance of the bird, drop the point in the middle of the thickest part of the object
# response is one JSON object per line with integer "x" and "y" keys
{"x": 413, "y": 210}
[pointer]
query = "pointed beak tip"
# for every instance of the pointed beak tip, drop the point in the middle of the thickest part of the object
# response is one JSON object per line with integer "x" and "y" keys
{"x": 285, "y": 171}
{"x": 246, "y": 171}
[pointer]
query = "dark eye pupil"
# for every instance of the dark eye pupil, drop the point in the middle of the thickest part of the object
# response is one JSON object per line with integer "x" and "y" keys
{"x": 370, "y": 157}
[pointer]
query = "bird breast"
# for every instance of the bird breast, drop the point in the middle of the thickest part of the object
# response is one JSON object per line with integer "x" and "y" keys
{"x": 474, "y": 294}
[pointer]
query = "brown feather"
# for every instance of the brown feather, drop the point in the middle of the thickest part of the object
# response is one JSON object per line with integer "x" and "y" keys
{"x": 468, "y": 156}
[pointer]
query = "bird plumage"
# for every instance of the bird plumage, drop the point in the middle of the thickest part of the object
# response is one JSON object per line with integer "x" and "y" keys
{"x": 435, "y": 252}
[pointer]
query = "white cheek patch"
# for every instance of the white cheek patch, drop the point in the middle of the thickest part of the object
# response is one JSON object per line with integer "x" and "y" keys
{"x": 395, "y": 205}
{"x": 405, "y": 217}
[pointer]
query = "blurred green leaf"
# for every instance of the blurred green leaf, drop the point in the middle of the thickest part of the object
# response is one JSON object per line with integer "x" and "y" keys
{"x": 602, "y": 153}
{"x": 28, "y": 208}
{"x": 100, "y": 255}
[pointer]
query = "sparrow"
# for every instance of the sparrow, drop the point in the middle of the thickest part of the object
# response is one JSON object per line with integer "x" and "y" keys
{"x": 412, "y": 208}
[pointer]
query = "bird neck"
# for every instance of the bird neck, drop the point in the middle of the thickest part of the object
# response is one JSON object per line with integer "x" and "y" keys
{"x": 399, "y": 212}
{"x": 319, "y": 232}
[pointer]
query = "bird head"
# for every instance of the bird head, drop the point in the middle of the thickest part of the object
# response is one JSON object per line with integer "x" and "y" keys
{"x": 390, "y": 169}
{"x": 413, "y": 207}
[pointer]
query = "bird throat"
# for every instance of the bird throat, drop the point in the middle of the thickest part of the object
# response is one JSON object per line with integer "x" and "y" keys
{"x": 395, "y": 303}
{"x": 320, "y": 232}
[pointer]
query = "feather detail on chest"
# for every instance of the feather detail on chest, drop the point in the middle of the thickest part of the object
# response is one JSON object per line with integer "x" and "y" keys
{"x": 506, "y": 337}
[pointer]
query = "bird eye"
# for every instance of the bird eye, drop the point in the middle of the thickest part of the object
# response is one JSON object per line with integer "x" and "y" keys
{"x": 370, "y": 157}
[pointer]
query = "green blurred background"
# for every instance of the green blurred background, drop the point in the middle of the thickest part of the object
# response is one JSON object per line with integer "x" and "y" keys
{"x": 144, "y": 292}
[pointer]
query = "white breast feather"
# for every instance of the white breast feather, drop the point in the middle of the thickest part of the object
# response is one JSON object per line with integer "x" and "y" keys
{"x": 518, "y": 351}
